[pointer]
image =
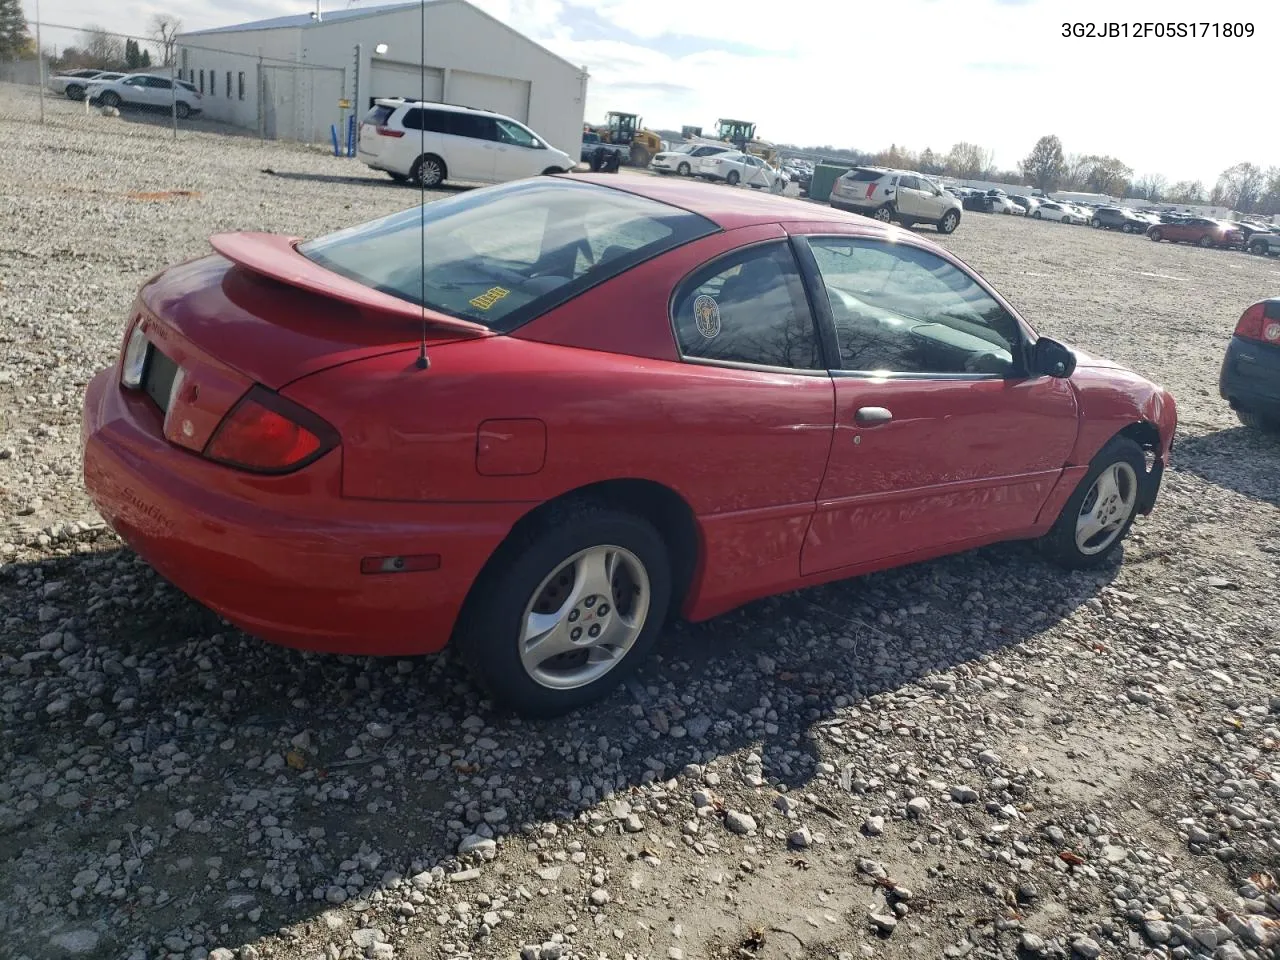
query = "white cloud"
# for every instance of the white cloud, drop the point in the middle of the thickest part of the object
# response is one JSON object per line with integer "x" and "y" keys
{"x": 913, "y": 72}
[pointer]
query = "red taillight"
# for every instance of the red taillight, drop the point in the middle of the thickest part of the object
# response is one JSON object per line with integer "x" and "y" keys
{"x": 1256, "y": 325}
{"x": 388, "y": 132}
{"x": 266, "y": 433}
{"x": 871, "y": 188}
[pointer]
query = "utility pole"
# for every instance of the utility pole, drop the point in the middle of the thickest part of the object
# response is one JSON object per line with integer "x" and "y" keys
{"x": 40, "y": 61}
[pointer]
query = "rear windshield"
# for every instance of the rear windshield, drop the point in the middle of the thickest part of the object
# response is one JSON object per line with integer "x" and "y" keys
{"x": 865, "y": 176}
{"x": 503, "y": 255}
{"x": 379, "y": 115}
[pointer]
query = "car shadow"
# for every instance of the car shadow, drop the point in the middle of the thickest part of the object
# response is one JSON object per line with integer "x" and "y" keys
{"x": 363, "y": 181}
{"x": 1238, "y": 458}
{"x": 217, "y": 752}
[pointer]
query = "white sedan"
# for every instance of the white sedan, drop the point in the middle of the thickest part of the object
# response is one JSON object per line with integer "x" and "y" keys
{"x": 1062, "y": 212}
{"x": 684, "y": 158}
{"x": 735, "y": 167}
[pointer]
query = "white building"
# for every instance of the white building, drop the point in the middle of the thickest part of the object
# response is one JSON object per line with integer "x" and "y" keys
{"x": 290, "y": 77}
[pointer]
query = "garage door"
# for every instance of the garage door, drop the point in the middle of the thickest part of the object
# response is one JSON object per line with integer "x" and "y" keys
{"x": 405, "y": 80}
{"x": 487, "y": 92}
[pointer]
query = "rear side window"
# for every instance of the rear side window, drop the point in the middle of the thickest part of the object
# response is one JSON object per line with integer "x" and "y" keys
{"x": 470, "y": 125}
{"x": 379, "y": 115}
{"x": 747, "y": 307}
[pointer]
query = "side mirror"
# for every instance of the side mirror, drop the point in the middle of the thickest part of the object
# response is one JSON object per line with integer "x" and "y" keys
{"x": 1053, "y": 359}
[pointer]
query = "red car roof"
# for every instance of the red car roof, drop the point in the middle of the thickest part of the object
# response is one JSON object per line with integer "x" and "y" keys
{"x": 727, "y": 207}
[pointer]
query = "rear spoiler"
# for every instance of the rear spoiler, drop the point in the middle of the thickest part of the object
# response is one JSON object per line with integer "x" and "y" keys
{"x": 277, "y": 258}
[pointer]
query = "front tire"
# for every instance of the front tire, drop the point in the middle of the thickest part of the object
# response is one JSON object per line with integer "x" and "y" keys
{"x": 1205, "y": 242}
{"x": 74, "y": 92}
{"x": 110, "y": 99}
{"x": 427, "y": 171}
{"x": 683, "y": 169}
{"x": 949, "y": 222}
{"x": 1038, "y": 215}
{"x": 1256, "y": 421}
{"x": 1156, "y": 235}
{"x": 1098, "y": 515}
{"x": 532, "y": 630}
{"x": 183, "y": 111}
{"x": 1095, "y": 223}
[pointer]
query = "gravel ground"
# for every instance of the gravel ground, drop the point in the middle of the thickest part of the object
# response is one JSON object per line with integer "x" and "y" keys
{"x": 980, "y": 756}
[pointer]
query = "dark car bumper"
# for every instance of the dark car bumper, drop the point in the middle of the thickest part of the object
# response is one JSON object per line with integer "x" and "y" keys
{"x": 1250, "y": 378}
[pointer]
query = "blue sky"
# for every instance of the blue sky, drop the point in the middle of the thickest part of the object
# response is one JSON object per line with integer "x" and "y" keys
{"x": 867, "y": 73}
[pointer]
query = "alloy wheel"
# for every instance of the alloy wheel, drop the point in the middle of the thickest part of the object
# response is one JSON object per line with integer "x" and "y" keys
{"x": 1106, "y": 508}
{"x": 584, "y": 617}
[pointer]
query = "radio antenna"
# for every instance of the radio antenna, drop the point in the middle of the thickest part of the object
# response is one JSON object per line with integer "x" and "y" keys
{"x": 423, "y": 361}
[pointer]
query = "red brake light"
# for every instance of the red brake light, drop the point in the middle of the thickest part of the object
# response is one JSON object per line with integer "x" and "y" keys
{"x": 266, "y": 433}
{"x": 1254, "y": 324}
{"x": 871, "y": 188}
{"x": 388, "y": 132}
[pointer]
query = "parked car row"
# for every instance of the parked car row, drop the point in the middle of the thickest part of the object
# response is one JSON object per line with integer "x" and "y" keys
{"x": 721, "y": 163}
{"x": 73, "y": 84}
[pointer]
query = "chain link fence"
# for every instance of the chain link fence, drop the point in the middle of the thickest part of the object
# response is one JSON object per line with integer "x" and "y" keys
{"x": 193, "y": 83}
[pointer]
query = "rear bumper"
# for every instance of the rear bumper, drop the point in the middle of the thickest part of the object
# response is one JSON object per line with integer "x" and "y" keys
{"x": 279, "y": 557}
{"x": 1250, "y": 377}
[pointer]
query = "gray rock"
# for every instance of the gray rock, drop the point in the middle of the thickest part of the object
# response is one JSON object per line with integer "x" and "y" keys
{"x": 183, "y": 819}
{"x": 873, "y": 826}
{"x": 918, "y": 807}
{"x": 884, "y": 922}
{"x": 801, "y": 839}
{"x": 1158, "y": 931}
{"x": 485, "y": 848}
{"x": 633, "y": 824}
{"x": 76, "y": 942}
{"x": 380, "y": 731}
{"x": 698, "y": 727}
{"x": 964, "y": 794}
{"x": 221, "y": 953}
{"x": 366, "y": 937}
{"x": 1086, "y": 947}
{"x": 599, "y": 897}
{"x": 1031, "y": 943}
{"x": 739, "y": 823}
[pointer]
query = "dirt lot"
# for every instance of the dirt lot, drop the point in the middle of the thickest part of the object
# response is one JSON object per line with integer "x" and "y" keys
{"x": 978, "y": 757}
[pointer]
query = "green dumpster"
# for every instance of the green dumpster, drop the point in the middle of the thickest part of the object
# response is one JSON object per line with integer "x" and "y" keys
{"x": 824, "y": 177}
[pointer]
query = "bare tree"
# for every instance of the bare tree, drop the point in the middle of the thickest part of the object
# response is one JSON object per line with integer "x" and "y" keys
{"x": 969, "y": 161}
{"x": 1187, "y": 191}
{"x": 1151, "y": 186}
{"x": 103, "y": 48}
{"x": 164, "y": 30}
{"x": 1240, "y": 186}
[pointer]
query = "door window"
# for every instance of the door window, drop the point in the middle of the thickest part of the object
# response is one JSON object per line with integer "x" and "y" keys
{"x": 747, "y": 307}
{"x": 513, "y": 133}
{"x": 909, "y": 183}
{"x": 902, "y": 310}
{"x": 159, "y": 83}
{"x": 135, "y": 82}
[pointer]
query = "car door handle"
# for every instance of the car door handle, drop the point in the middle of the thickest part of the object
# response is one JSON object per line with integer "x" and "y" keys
{"x": 872, "y": 416}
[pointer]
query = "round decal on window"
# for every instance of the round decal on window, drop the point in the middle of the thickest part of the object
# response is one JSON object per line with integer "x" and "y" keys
{"x": 706, "y": 314}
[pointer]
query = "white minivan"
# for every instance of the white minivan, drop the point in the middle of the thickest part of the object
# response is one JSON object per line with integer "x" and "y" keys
{"x": 429, "y": 143}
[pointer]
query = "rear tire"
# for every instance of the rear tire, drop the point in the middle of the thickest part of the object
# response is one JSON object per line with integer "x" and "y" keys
{"x": 183, "y": 111}
{"x": 1124, "y": 460}
{"x": 949, "y": 222}
{"x": 74, "y": 92}
{"x": 1260, "y": 248}
{"x": 1125, "y": 228}
{"x": 428, "y": 171}
{"x": 1256, "y": 421}
{"x": 527, "y": 576}
{"x": 733, "y": 178}
{"x": 884, "y": 214}
{"x": 1205, "y": 242}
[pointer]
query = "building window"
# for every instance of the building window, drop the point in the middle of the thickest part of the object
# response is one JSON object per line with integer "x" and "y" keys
{"x": 240, "y": 81}
{"x": 228, "y": 84}
{"x": 202, "y": 81}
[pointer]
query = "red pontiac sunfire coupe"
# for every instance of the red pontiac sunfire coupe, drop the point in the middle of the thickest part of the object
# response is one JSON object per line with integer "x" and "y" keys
{"x": 638, "y": 399}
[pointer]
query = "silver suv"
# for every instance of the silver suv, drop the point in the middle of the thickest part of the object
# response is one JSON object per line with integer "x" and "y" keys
{"x": 900, "y": 195}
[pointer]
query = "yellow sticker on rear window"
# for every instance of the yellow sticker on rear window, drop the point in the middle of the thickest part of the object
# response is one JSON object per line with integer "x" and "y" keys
{"x": 489, "y": 298}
